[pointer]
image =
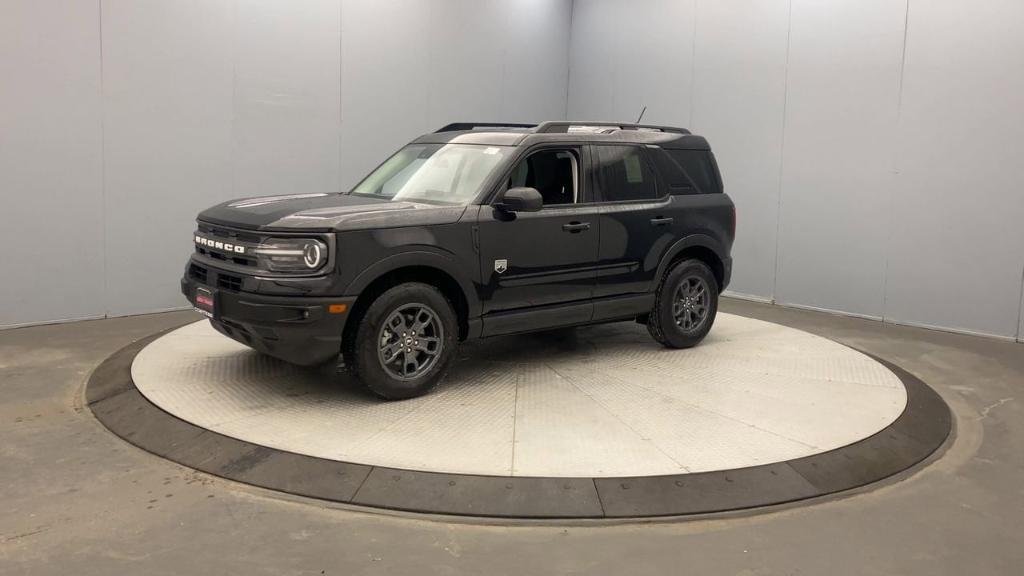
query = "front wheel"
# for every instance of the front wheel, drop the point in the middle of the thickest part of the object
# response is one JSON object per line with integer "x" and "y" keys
{"x": 405, "y": 341}
{"x": 685, "y": 305}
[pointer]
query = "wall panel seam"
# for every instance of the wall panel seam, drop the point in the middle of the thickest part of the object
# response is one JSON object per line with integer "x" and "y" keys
{"x": 505, "y": 39}
{"x": 232, "y": 160}
{"x": 103, "y": 170}
{"x": 1020, "y": 307}
{"x": 895, "y": 171}
{"x": 568, "y": 57}
{"x": 782, "y": 152}
{"x": 693, "y": 66}
{"x": 340, "y": 177}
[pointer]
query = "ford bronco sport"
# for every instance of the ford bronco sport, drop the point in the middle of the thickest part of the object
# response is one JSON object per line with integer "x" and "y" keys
{"x": 476, "y": 230}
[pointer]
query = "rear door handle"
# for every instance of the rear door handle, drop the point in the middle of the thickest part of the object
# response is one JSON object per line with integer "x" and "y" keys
{"x": 659, "y": 221}
{"x": 576, "y": 227}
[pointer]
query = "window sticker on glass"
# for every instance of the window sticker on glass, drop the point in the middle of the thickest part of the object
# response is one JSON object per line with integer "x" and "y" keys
{"x": 491, "y": 150}
{"x": 633, "y": 174}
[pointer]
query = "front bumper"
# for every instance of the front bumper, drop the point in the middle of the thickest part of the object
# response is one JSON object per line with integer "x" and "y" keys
{"x": 297, "y": 329}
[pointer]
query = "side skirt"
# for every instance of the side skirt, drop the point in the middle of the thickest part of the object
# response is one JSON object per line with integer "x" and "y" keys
{"x": 600, "y": 310}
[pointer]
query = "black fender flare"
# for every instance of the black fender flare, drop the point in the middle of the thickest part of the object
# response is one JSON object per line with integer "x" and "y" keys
{"x": 691, "y": 241}
{"x": 421, "y": 257}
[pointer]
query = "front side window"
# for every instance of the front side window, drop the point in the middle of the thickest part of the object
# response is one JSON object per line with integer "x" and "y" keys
{"x": 436, "y": 173}
{"x": 553, "y": 173}
{"x": 623, "y": 174}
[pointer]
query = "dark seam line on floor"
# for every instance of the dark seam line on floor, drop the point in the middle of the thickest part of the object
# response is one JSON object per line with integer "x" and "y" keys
{"x": 600, "y": 501}
{"x": 355, "y": 495}
{"x": 110, "y": 396}
{"x": 515, "y": 423}
{"x": 601, "y": 404}
{"x": 814, "y": 487}
{"x": 390, "y": 425}
{"x": 711, "y": 412}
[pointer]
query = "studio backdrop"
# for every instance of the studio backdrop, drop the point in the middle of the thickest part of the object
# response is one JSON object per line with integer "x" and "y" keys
{"x": 872, "y": 147}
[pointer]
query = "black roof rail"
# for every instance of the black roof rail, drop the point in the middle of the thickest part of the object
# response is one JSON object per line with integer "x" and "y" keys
{"x": 455, "y": 126}
{"x": 555, "y": 126}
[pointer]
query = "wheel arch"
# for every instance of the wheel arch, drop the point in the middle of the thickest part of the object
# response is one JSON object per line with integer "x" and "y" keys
{"x": 700, "y": 247}
{"x": 430, "y": 268}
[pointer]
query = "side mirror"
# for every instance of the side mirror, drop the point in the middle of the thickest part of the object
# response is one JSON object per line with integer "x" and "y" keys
{"x": 521, "y": 199}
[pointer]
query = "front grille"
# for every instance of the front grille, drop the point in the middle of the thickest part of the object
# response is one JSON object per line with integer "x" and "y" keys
{"x": 240, "y": 260}
{"x": 197, "y": 273}
{"x": 229, "y": 282}
{"x": 231, "y": 236}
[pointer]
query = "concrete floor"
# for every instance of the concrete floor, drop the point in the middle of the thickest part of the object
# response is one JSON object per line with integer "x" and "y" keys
{"x": 74, "y": 499}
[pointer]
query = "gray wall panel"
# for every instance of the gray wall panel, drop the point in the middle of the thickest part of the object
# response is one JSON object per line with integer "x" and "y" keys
{"x": 466, "y": 49}
{"x": 167, "y": 102}
{"x": 625, "y": 56}
{"x": 383, "y": 84}
{"x": 957, "y": 246}
{"x": 287, "y": 91}
{"x": 535, "y": 60}
{"x": 889, "y": 161}
{"x": 841, "y": 102}
{"x": 739, "y": 91}
{"x": 50, "y": 162}
{"x": 900, "y": 178}
{"x": 457, "y": 60}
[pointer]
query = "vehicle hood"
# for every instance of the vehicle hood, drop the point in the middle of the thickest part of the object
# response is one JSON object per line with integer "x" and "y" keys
{"x": 327, "y": 212}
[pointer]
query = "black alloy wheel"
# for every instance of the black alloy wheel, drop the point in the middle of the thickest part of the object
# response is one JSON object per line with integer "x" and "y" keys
{"x": 685, "y": 305}
{"x": 404, "y": 342}
{"x": 410, "y": 341}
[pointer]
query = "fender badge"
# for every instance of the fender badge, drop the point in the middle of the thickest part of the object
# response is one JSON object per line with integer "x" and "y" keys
{"x": 500, "y": 266}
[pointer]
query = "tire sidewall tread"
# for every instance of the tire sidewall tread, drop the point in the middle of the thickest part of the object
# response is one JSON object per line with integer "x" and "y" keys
{"x": 661, "y": 325}
{"x": 361, "y": 354}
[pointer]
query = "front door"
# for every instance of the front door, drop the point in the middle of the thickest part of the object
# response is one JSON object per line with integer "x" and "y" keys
{"x": 538, "y": 268}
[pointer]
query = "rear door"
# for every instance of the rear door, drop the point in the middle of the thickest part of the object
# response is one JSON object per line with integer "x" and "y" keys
{"x": 637, "y": 218}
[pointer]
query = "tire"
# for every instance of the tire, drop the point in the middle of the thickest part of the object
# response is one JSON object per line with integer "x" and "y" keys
{"x": 682, "y": 322}
{"x": 418, "y": 363}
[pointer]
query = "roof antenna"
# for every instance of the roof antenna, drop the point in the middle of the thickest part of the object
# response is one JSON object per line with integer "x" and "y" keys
{"x": 641, "y": 115}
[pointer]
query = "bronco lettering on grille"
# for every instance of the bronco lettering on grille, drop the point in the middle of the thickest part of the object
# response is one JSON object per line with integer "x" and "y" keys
{"x": 218, "y": 245}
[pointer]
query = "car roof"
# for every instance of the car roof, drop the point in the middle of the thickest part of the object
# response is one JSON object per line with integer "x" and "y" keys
{"x": 506, "y": 134}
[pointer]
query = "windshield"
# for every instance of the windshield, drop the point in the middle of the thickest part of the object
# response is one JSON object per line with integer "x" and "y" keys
{"x": 443, "y": 173}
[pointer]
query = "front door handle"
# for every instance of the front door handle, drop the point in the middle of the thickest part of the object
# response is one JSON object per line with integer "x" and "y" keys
{"x": 659, "y": 221}
{"x": 576, "y": 227}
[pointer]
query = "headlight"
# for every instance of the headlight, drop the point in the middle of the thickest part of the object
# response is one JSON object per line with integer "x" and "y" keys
{"x": 291, "y": 254}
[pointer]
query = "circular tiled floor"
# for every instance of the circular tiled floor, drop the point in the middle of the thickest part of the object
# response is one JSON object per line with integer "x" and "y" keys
{"x": 594, "y": 402}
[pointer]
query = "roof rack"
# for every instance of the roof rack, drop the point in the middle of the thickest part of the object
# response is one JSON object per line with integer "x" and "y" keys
{"x": 455, "y": 126}
{"x": 564, "y": 126}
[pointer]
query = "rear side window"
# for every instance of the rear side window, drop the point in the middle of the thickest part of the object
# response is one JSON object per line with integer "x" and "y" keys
{"x": 671, "y": 174}
{"x": 697, "y": 165}
{"x": 624, "y": 174}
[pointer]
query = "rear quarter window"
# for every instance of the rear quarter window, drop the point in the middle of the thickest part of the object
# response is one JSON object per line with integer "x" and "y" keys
{"x": 699, "y": 167}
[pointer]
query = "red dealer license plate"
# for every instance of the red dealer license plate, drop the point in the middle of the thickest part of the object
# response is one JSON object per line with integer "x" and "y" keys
{"x": 205, "y": 301}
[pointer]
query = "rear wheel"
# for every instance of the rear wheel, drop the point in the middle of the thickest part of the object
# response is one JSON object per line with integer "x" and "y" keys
{"x": 685, "y": 305}
{"x": 404, "y": 343}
